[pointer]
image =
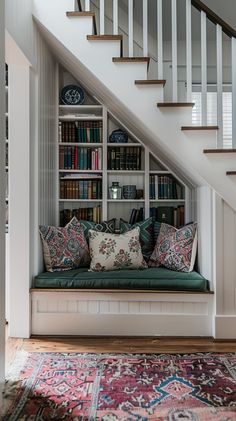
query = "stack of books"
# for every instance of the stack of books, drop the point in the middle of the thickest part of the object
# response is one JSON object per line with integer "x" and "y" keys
{"x": 74, "y": 157}
{"x": 80, "y": 131}
{"x": 136, "y": 215}
{"x": 169, "y": 215}
{"x": 124, "y": 158}
{"x": 92, "y": 214}
{"x": 165, "y": 187}
{"x": 81, "y": 186}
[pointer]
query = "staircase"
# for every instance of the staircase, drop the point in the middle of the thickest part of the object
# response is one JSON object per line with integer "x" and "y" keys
{"x": 107, "y": 64}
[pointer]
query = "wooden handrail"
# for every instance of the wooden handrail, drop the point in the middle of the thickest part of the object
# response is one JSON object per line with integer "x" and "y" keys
{"x": 226, "y": 28}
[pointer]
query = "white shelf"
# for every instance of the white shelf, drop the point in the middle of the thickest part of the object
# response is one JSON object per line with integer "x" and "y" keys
{"x": 78, "y": 118}
{"x": 126, "y": 200}
{"x": 159, "y": 172}
{"x": 84, "y": 145}
{"x": 130, "y": 172}
{"x": 81, "y": 200}
{"x": 167, "y": 200}
{"x": 82, "y": 171}
{"x": 89, "y": 107}
{"x": 124, "y": 144}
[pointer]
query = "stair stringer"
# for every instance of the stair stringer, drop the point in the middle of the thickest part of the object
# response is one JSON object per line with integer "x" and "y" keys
{"x": 136, "y": 106}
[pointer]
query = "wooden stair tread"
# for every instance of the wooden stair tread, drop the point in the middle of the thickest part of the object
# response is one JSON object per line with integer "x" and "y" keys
{"x": 175, "y": 104}
{"x": 131, "y": 59}
{"x": 74, "y": 14}
{"x": 81, "y": 14}
{"x": 199, "y": 128}
{"x": 230, "y": 172}
{"x": 105, "y": 37}
{"x": 150, "y": 82}
{"x": 219, "y": 151}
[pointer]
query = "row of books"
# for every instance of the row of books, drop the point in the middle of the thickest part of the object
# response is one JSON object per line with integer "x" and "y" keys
{"x": 136, "y": 215}
{"x": 165, "y": 187}
{"x": 76, "y": 158}
{"x": 169, "y": 214}
{"x": 93, "y": 214}
{"x": 80, "y": 189}
{"x": 80, "y": 131}
{"x": 124, "y": 158}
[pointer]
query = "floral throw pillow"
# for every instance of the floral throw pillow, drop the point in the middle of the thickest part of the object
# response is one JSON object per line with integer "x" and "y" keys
{"x": 64, "y": 248}
{"x": 175, "y": 248}
{"x": 115, "y": 251}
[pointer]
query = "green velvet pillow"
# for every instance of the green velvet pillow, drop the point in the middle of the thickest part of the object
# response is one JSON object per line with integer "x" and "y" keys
{"x": 146, "y": 236}
{"x": 105, "y": 226}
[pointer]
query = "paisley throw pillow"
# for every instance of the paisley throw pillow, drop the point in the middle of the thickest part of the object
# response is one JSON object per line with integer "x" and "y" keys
{"x": 64, "y": 248}
{"x": 175, "y": 248}
{"x": 115, "y": 251}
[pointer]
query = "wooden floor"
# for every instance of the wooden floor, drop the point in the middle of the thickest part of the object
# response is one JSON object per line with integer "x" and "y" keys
{"x": 116, "y": 345}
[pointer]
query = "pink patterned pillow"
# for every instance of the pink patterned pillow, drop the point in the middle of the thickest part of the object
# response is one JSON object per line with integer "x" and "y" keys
{"x": 175, "y": 248}
{"x": 64, "y": 248}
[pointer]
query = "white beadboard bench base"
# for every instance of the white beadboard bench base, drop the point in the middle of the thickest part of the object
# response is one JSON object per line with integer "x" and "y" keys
{"x": 121, "y": 313}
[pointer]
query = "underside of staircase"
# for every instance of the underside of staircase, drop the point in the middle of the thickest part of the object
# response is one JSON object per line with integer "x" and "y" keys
{"x": 121, "y": 84}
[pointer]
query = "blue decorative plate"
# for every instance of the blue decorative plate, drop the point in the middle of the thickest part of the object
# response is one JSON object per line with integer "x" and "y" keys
{"x": 118, "y": 136}
{"x": 72, "y": 95}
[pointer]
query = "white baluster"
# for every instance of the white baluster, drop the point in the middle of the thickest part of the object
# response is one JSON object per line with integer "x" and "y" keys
{"x": 102, "y": 15}
{"x": 131, "y": 29}
{"x": 233, "y": 92}
{"x": 174, "y": 50}
{"x": 145, "y": 28}
{"x": 189, "y": 49}
{"x": 115, "y": 17}
{"x": 87, "y": 5}
{"x": 204, "y": 67}
{"x": 159, "y": 39}
{"x": 219, "y": 86}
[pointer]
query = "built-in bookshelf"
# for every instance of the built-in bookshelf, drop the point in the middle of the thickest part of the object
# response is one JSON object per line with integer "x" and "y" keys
{"x": 89, "y": 163}
{"x": 80, "y": 157}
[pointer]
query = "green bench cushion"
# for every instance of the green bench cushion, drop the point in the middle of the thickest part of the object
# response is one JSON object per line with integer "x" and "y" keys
{"x": 151, "y": 278}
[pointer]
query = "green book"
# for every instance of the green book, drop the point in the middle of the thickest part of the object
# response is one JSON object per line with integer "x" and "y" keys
{"x": 165, "y": 214}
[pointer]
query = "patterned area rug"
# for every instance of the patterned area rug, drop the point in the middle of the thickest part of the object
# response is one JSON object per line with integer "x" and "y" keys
{"x": 81, "y": 387}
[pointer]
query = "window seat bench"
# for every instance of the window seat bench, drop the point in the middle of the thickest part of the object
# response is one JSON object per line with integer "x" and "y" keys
{"x": 149, "y": 302}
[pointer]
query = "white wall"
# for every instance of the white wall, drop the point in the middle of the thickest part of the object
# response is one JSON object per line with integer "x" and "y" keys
{"x": 45, "y": 154}
{"x": 205, "y": 232}
{"x": 225, "y": 268}
{"x": 2, "y": 197}
{"x": 32, "y": 156}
